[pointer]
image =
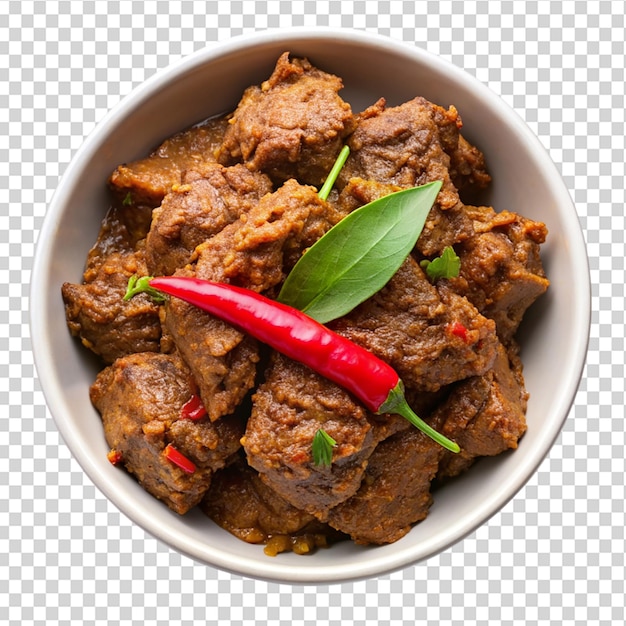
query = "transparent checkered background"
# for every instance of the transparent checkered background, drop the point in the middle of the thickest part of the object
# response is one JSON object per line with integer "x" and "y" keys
{"x": 554, "y": 555}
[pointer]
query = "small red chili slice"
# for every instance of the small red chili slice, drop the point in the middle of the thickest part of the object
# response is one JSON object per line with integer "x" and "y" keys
{"x": 193, "y": 409}
{"x": 179, "y": 459}
{"x": 457, "y": 329}
{"x": 114, "y": 457}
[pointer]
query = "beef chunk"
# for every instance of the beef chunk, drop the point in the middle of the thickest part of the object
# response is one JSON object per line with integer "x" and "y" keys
{"x": 222, "y": 359}
{"x": 240, "y": 502}
{"x": 395, "y": 491}
{"x": 146, "y": 181}
{"x": 140, "y": 398}
{"x": 412, "y": 144}
{"x": 406, "y": 146}
{"x": 254, "y": 252}
{"x": 411, "y": 325}
{"x": 209, "y": 198}
{"x": 105, "y": 323}
{"x": 291, "y": 126}
{"x": 288, "y": 408}
{"x": 501, "y": 269}
{"x": 467, "y": 168}
{"x": 123, "y": 228}
{"x": 95, "y": 309}
{"x": 357, "y": 192}
{"x": 485, "y": 415}
{"x": 259, "y": 249}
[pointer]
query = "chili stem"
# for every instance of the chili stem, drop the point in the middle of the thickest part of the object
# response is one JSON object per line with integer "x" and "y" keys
{"x": 141, "y": 284}
{"x": 396, "y": 403}
{"x": 406, "y": 412}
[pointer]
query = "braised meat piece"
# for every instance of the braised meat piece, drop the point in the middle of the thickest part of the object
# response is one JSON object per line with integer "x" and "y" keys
{"x": 140, "y": 398}
{"x": 412, "y": 144}
{"x": 259, "y": 249}
{"x": 288, "y": 408}
{"x": 415, "y": 326}
{"x": 395, "y": 491}
{"x": 146, "y": 181}
{"x": 357, "y": 192}
{"x": 501, "y": 269}
{"x": 222, "y": 359}
{"x": 123, "y": 228}
{"x": 104, "y": 322}
{"x": 209, "y": 198}
{"x": 467, "y": 168}
{"x": 95, "y": 309}
{"x": 240, "y": 502}
{"x": 407, "y": 146}
{"x": 253, "y": 252}
{"x": 291, "y": 126}
{"x": 485, "y": 415}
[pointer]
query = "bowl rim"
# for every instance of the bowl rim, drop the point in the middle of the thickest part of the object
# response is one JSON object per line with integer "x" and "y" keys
{"x": 45, "y": 361}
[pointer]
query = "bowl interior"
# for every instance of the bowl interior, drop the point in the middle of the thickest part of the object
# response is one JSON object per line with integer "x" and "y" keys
{"x": 210, "y": 82}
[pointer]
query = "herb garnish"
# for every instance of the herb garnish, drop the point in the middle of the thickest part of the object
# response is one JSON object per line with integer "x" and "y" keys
{"x": 359, "y": 255}
{"x": 447, "y": 265}
{"x": 322, "y": 448}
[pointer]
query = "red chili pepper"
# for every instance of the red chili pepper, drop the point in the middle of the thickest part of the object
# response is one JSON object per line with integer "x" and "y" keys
{"x": 179, "y": 459}
{"x": 301, "y": 338}
{"x": 193, "y": 409}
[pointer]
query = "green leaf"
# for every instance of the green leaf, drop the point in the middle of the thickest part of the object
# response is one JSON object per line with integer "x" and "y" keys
{"x": 448, "y": 265}
{"x": 322, "y": 448}
{"x": 358, "y": 256}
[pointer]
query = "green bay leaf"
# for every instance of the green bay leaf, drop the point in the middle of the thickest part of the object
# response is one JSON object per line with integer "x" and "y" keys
{"x": 358, "y": 256}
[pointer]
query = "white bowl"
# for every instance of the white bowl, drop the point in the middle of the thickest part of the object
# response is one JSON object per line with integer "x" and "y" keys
{"x": 211, "y": 81}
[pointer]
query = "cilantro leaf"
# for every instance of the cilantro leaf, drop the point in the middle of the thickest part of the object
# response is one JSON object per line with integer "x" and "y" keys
{"x": 322, "y": 448}
{"x": 447, "y": 265}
